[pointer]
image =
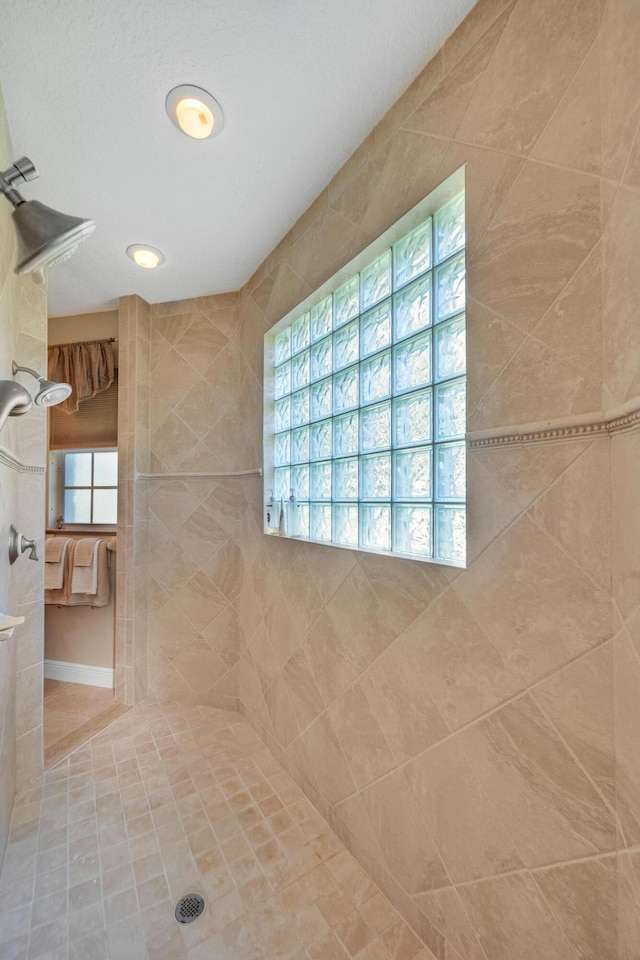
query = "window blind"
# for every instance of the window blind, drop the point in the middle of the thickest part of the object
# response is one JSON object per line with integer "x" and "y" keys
{"x": 94, "y": 425}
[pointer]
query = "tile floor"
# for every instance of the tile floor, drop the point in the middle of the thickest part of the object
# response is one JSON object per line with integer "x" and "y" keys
{"x": 171, "y": 800}
{"x": 68, "y": 706}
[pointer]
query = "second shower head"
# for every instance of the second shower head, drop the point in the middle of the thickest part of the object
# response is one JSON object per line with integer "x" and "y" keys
{"x": 50, "y": 393}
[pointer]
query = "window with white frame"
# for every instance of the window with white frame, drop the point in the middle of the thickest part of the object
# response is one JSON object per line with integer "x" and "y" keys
{"x": 84, "y": 487}
{"x": 365, "y": 396}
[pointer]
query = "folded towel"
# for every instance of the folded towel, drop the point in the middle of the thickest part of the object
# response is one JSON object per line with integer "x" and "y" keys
{"x": 102, "y": 594}
{"x": 60, "y": 595}
{"x": 85, "y": 577}
{"x": 54, "y": 569}
{"x": 85, "y": 551}
{"x": 54, "y": 549}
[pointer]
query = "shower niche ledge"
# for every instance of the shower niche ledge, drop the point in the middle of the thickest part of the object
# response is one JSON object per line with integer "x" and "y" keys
{"x": 8, "y": 625}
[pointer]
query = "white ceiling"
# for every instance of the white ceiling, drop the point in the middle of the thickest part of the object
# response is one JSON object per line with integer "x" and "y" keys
{"x": 301, "y": 83}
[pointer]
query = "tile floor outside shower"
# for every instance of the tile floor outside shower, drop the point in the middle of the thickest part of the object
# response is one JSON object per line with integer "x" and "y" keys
{"x": 171, "y": 800}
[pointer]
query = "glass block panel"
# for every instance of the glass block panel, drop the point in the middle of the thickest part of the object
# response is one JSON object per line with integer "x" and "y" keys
{"x": 375, "y": 477}
{"x": 321, "y": 440}
{"x": 450, "y": 410}
{"x": 320, "y": 320}
{"x": 375, "y": 378}
{"x": 345, "y": 435}
{"x": 282, "y": 453}
{"x": 105, "y": 471}
{"x": 303, "y": 518}
{"x": 375, "y": 281}
{"x": 376, "y": 329}
{"x": 412, "y": 363}
{"x": 450, "y": 348}
{"x": 346, "y": 347}
{"x": 412, "y": 255}
{"x": 375, "y": 526}
{"x": 450, "y": 471}
{"x": 283, "y": 380}
{"x": 283, "y": 414}
{"x": 320, "y": 521}
{"x": 105, "y": 506}
{"x": 300, "y": 445}
{"x": 77, "y": 506}
{"x": 345, "y": 479}
{"x": 345, "y": 389}
{"x": 412, "y": 526}
{"x": 321, "y": 359}
{"x": 300, "y": 407}
{"x": 77, "y": 471}
{"x": 320, "y": 481}
{"x": 412, "y": 308}
{"x": 450, "y": 235}
{"x": 412, "y": 474}
{"x": 450, "y": 285}
{"x": 283, "y": 346}
{"x": 375, "y": 427}
{"x": 346, "y": 301}
{"x": 450, "y": 533}
{"x": 345, "y": 523}
{"x": 321, "y": 402}
{"x": 300, "y": 370}
{"x": 300, "y": 334}
{"x": 300, "y": 481}
{"x": 282, "y": 484}
{"x": 412, "y": 419}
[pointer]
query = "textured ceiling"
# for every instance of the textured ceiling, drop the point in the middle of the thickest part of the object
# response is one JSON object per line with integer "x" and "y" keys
{"x": 301, "y": 83}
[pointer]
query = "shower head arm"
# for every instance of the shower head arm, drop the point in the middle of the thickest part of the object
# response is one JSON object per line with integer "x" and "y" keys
{"x": 19, "y": 172}
{"x": 16, "y": 369}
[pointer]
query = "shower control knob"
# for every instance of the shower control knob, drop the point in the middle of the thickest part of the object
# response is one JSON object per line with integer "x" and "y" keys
{"x": 18, "y": 544}
{"x": 29, "y": 545}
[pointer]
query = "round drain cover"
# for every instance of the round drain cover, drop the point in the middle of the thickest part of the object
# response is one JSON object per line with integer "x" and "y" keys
{"x": 189, "y": 908}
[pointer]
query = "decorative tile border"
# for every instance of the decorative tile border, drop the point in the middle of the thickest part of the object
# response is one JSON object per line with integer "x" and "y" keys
{"x": 585, "y": 427}
{"x": 233, "y": 475}
{"x": 9, "y": 459}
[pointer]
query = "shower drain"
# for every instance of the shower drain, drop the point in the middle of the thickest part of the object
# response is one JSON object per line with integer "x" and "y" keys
{"x": 189, "y": 908}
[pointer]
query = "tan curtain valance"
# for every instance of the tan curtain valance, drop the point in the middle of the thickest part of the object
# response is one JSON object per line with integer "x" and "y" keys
{"x": 89, "y": 367}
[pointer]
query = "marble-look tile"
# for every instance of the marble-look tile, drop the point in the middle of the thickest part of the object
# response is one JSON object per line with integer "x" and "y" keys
{"x": 620, "y": 84}
{"x": 200, "y": 342}
{"x": 446, "y": 912}
{"x": 328, "y": 760}
{"x": 472, "y": 841}
{"x": 626, "y": 698}
{"x": 361, "y": 736}
{"x": 621, "y": 339}
{"x": 543, "y": 798}
{"x": 628, "y": 901}
{"x": 625, "y": 467}
{"x": 472, "y": 28}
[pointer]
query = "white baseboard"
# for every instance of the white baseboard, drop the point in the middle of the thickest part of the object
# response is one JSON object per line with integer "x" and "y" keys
{"x": 79, "y": 673}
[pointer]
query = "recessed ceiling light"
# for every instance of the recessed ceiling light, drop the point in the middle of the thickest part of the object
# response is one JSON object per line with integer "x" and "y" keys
{"x": 194, "y": 112}
{"x": 145, "y": 256}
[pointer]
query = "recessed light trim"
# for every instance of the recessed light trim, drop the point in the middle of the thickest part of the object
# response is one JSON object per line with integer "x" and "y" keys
{"x": 145, "y": 256}
{"x": 194, "y": 112}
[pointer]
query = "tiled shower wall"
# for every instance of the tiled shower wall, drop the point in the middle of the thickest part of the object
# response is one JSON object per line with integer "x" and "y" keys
{"x": 470, "y": 734}
{"x": 23, "y": 313}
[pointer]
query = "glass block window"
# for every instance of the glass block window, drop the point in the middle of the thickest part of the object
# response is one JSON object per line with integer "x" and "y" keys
{"x": 368, "y": 378}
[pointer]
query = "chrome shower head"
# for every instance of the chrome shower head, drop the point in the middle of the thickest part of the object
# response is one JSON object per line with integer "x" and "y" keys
{"x": 50, "y": 393}
{"x": 45, "y": 236}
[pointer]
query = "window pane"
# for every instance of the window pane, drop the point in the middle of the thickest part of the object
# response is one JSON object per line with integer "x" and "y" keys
{"x": 451, "y": 287}
{"x": 300, "y": 408}
{"x": 105, "y": 506}
{"x": 412, "y": 419}
{"x": 282, "y": 454}
{"x": 412, "y": 308}
{"x": 105, "y": 469}
{"x": 412, "y": 363}
{"x": 321, "y": 359}
{"x": 412, "y": 255}
{"x": 412, "y": 475}
{"x": 303, "y": 519}
{"x": 345, "y": 390}
{"x": 321, "y": 440}
{"x": 450, "y": 471}
{"x": 300, "y": 481}
{"x": 375, "y": 526}
{"x": 450, "y": 533}
{"x": 320, "y": 521}
{"x": 283, "y": 345}
{"x": 345, "y": 523}
{"x": 375, "y": 477}
{"x": 375, "y": 427}
{"x": 346, "y": 302}
{"x": 412, "y": 529}
{"x": 450, "y": 349}
{"x": 346, "y": 348}
{"x": 320, "y": 320}
{"x": 77, "y": 470}
{"x": 375, "y": 281}
{"x": 321, "y": 394}
{"x": 283, "y": 380}
{"x": 300, "y": 370}
{"x": 376, "y": 329}
{"x": 300, "y": 334}
{"x": 450, "y": 410}
{"x": 345, "y": 479}
{"x": 450, "y": 234}
{"x": 345, "y": 435}
{"x": 375, "y": 378}
{"x": 282, "y": 485}
{"x": 283, "y": 414}
{"x": 77, "y": 506}
{"x": 299, "y": 444}
{"x": 321, "y": 481}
